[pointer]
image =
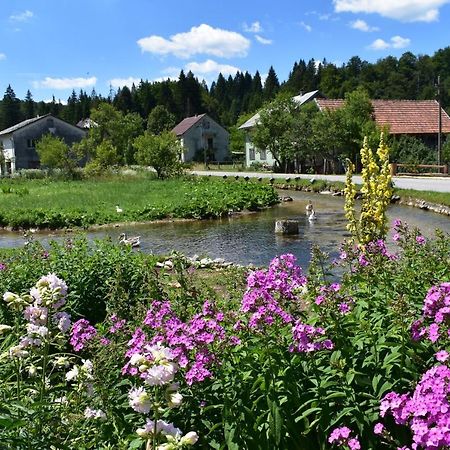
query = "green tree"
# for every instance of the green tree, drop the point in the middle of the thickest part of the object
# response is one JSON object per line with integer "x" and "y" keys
{"x": 161, "y": 152}
{"x": 54, "y": 153}
{"x": 28, "y": 106}
{"x": 271, "y": 85}
{"x": 10, "y": 109}
{"x": 274, "y": 131}
{"x": 160, "y": 119}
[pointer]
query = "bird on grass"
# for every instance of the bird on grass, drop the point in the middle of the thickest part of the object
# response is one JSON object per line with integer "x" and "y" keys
{"x": 133, "y": 241}
{"x": 118, "y": 209}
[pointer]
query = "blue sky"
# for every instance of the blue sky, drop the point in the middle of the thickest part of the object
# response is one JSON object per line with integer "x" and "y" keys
{"x": 54, "y": 46}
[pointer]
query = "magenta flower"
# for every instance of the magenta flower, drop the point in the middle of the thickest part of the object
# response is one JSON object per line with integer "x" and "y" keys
{"x": 421, "y": 240}
{"x": 82, "y": 333}
{"x": 378, "y": 428}
{"x": 441, "y": 355}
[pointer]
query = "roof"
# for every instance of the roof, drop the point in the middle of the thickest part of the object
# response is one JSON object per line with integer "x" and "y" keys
{"x": 300, "y": 99}
{"x": 187, "y": 123}
{"x": 21, "y": 124}
{"x": 402, "y": 116}
{"x": 87, "y": 123}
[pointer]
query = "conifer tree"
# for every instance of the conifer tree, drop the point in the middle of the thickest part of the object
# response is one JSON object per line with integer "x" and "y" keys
{"x": 28, "y": 106}
{"x": 271, "y": 85}
{"x": 10, "y": 109}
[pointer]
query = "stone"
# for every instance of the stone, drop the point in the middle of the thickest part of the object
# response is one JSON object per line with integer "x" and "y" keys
{"x": 288, "y": 227}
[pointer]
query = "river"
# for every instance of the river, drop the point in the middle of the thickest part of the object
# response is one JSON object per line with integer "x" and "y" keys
{"x": 250, "y": 238}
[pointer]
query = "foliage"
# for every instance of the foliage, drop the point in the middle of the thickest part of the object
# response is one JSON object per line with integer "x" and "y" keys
{"x": 56, "y": 204}
{"x": 160, "y": 119}
{"x": 273, "y": 131}
{"x": 376, "y": 194}
{"x": 162, "y": 152}
{"x": 54, "y": 153}
{"x": 287, "y": 361}
{"x": 410, "y": 150}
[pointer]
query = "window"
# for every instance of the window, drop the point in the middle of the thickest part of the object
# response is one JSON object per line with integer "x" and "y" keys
{"x": 31, "y": 143}
{"x": 252, "y": 154}
{"x": 262, "y": 155}
{"x": 206, "y": 125}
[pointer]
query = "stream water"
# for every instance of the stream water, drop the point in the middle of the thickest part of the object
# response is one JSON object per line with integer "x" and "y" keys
{"x": 250, "y": 238}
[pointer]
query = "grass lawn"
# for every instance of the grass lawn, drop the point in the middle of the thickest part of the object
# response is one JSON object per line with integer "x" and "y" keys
{"x": 57, "y": 204}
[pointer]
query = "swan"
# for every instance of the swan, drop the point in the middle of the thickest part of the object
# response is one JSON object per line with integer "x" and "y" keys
{"x": 134, "y": 241}
{"x": 312, "y": 216}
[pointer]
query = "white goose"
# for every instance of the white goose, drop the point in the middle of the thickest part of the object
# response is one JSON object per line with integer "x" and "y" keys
{"x": 119, "y": 210}
{"x": 312, "y": 216}
{"x": 133, "y": 241}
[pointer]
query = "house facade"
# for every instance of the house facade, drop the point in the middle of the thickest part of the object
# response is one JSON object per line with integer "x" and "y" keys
{"x": 264, "y": 157}
{"x": 18, "y": 143}
{"x": 202, "y": 139}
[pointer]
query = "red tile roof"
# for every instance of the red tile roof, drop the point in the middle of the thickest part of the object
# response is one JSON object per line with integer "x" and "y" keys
{"x": 185, "y": 124}
{"x": 402, "y": 116}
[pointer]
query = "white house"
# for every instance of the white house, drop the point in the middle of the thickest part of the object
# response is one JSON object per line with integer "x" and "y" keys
{"x": 18, "y": 143}
{"x": 202, "y": 139}
{"x": 262, "y": 156}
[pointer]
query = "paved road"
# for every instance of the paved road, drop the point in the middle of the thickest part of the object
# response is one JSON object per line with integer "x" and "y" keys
{"x": 436, "y": 184}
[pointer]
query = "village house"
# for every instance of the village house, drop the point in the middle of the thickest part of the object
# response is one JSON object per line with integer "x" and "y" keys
{"x": 202, "y": 139}
{"x": 18, "y": 143}
{"x": 417, "y": 118}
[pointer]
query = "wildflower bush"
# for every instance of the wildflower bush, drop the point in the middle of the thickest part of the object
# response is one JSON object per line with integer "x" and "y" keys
{"x": 352, "y": 354}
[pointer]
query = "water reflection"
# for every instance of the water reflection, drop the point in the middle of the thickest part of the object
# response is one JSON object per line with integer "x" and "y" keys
{"x": 250, "y": 238}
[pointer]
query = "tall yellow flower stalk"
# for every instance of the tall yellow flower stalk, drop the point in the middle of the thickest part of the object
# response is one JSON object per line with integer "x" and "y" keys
{"x": 376, "y": 191}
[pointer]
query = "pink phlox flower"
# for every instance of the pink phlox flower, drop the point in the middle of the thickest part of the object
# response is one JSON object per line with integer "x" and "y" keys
{"x": 82, "y": 332}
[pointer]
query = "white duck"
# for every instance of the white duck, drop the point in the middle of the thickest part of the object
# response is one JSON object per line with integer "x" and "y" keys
{"x": 119, "y": 210}
{"x": 134, "y": 241}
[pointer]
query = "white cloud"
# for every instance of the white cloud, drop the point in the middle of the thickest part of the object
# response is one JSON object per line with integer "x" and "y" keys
{"x": 121, "y": 82}
{"x": 362, "y": 25}
{"x": 2, "y": 56}
{"x": 379, "y": 44}
{"x": 262, "y": 40}
{"x": 21, "y": 17}
{"x": 65, "y": 83}
{"x": 404, "y": 10}
{"x": 203, "y": 39}
{"x": 211, "y": 67}
{"x": 395, "y": 42}
{"x": 307, "y": 27}
{"x": 255, "y": 27}
{"x": 399, "y": 42}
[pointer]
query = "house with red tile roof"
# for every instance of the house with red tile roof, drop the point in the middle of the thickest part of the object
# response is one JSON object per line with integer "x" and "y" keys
{"x": 202, "y": 139}
{"x": 419, "y": 118}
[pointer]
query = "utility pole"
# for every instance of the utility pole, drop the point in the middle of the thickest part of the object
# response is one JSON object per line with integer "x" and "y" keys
{"x": 439, "y": 143}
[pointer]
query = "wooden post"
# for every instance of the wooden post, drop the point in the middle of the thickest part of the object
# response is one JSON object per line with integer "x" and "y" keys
{"x": 393, "y": 169}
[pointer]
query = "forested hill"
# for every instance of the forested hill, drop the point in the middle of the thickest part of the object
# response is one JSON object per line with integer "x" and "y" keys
{"x": 408, "y": 77}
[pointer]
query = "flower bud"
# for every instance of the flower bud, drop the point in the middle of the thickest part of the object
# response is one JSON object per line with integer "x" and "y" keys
{"x": 189, "y": 438}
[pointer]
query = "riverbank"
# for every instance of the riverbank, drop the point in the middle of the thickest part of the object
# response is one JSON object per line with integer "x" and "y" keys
{"x": 53, "y": 204}
{"x": 437, "y": 202}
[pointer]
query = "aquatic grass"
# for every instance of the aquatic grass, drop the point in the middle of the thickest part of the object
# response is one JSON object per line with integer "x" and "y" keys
{"x": 60, "y": 204}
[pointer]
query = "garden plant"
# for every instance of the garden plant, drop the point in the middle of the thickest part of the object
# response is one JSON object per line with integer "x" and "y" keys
{"x": 114, "y": 349}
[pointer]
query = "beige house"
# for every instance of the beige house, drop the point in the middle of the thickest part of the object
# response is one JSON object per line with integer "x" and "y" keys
{"x": 202, "y": 139}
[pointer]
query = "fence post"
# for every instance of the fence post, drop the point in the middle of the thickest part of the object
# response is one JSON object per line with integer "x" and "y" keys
{"x": 393, "y": 169}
